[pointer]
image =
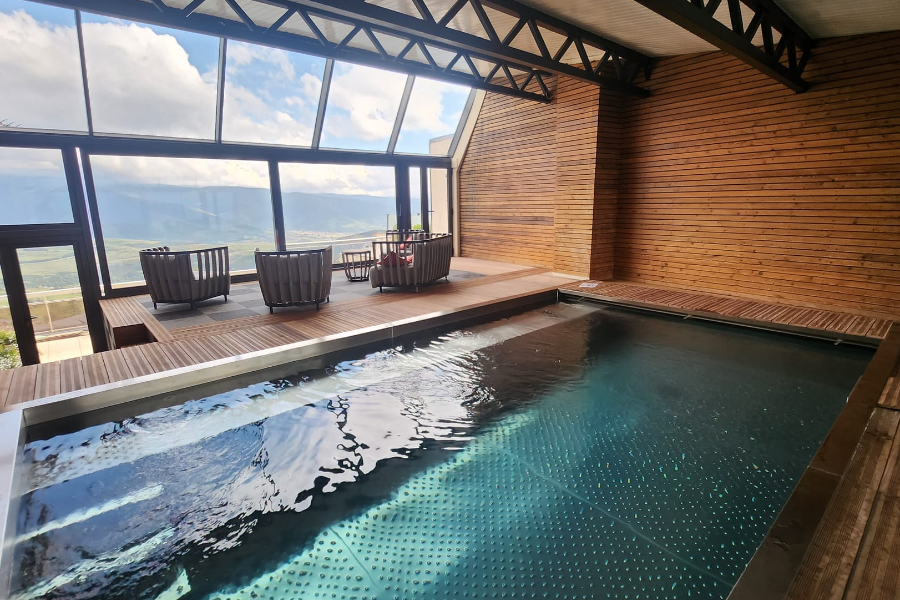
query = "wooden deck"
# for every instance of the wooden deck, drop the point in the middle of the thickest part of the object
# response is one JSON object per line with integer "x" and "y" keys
{"x": 199, "y": 344}
{"x": 807, "y": 319}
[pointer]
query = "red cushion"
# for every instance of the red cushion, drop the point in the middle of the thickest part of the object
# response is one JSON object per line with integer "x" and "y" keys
{"x": 403, "y": 246}
{"x": 391, "y": 259}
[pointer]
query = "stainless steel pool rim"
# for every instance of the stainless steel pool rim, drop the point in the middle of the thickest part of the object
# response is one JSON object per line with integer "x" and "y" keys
{"x": 14, "y": 420}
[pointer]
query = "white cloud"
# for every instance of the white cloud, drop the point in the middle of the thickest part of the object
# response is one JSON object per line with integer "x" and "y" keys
{"x": 427, "y": 107}
{"x": 33, "y": 161}
{"x": 370, "y": 97}
{"x": 337, "y": 179}
{"x": 40, "y": 74}
{"x": 143, "y": 82}
{"x": 241, "y": 54}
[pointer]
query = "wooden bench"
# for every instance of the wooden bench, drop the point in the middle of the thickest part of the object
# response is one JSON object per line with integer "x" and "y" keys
{"x": 127, "y": 323}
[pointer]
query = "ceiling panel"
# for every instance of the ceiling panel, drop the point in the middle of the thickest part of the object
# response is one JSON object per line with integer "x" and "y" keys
{"x": 833, "y": 18}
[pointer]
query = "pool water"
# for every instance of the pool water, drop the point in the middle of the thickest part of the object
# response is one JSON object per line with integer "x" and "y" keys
{"x": 569, "y": 452}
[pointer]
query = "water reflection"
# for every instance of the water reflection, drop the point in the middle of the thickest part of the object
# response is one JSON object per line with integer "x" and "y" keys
{"x": 126, "y": 507}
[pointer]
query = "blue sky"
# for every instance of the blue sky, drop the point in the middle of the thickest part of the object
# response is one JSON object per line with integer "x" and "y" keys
{"x": 151, "y": 80}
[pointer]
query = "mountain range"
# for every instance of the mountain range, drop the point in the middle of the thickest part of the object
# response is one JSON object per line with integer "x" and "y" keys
{"x": 182, "y": 214}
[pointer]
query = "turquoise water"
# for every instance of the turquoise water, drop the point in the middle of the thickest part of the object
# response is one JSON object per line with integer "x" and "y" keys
{"x": 575, "y": 452}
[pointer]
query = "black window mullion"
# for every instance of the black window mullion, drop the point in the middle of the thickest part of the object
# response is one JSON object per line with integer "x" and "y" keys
{"x": 277, "y": 206}
{"x": 18, "y": 305}
{"x": 94, "y": 211}
{"x": 84, "y": 258}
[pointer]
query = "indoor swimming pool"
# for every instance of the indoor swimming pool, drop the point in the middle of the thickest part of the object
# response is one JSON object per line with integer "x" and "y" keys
{"x": 574, "y": 451}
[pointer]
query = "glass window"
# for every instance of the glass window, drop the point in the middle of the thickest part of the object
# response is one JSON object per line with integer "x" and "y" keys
{"x": 415, "y": 197}
{"x": 432, "y": 117}
{"x": 437, "y": 196}
{"x": 33, "y": 187}
{"x": 271, "y": 96}
{"x": 184, "y": 204}
{"x": 149, "y": 80}
{"x": 40, "y": 85}
{"x": 9, "y": 349}
{"x": 55, "y": 303}
{"x": 338, "y": 205}
{"x": 362, "y": 107}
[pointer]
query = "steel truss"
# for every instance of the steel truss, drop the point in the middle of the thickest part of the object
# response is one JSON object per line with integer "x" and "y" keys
{"x": 783, "y": 60}
{"x": 424, "y": 45}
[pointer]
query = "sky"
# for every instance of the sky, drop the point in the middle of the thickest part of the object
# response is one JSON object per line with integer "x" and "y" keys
{"x": 149, "y": 80}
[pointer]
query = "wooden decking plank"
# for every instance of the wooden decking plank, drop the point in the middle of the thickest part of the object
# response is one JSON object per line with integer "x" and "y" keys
{"x": 22, "y": 386}
{"x": 48, "y": 380}
{"x": 890, "y": 396}
{"x": 177, "y": 355}
{"x": 214, "y": 347}
{"x": 71, "y": 374}
{"x": 5, "y": 381}
{"x": 826, "y": 567}
{"x": 251, "y": 341}
{"x": 95, "y": 372}
{"x": 860, "y": 325}
{"x": 195, "y": 349}
{"x": 158, "y": 359}
{"x": 879, "y": 329}
{"x": 876, "y": 574}
{"x": 116, "y": 366}
{"x": 841, "y": 324}
{"x": 136, "y": 361}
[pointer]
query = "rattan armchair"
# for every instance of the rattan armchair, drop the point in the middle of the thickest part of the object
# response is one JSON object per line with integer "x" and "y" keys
{"x": 294, "y": 277}
{"x": 186, "y": 277}
{"x": 411, "y": 259}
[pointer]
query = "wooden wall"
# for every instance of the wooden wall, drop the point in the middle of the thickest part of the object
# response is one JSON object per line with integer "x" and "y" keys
{"x": 507, "y": 181}
{"x": 732, "y": 183}
{"x": 528, "y": 183}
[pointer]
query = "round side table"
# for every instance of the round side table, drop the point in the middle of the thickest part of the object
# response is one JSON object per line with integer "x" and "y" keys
{"x": 357, "y": 264}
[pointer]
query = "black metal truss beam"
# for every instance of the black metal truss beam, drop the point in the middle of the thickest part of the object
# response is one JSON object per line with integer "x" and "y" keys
{"x": 783, "y": 61}
{"x": 512, "y": 72}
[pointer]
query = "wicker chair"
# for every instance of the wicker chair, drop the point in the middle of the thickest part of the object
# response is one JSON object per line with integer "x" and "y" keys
{"x": 411, "y": 259}
{"x": 186, "y": 277}
{"x": 294, "y": 277}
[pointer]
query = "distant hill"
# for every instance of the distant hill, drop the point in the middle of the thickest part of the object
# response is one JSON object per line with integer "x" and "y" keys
{"x": 180, "y": 214}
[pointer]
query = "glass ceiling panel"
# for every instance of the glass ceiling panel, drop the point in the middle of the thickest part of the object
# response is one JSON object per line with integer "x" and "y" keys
{"x": 271, "y": 95}
{"x": 362, "y": 107}
{"x": 149, "y": 80}
{"x": 40, "y": 85}
{"x": 433, "y": 114}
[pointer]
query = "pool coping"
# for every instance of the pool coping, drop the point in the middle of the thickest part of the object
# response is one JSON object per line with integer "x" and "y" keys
{"x": 14, "y": 420}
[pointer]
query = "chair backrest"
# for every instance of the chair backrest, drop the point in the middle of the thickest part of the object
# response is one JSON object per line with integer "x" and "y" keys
{"x": 413, "y": 258}
{"x": 186, "y": 276}
{"x": 294, "y": 276}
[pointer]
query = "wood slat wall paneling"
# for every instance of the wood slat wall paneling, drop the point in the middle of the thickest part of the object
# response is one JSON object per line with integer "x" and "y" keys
{"x": 507, "y": 183}
{"x": 730, "y": 183}
{"x": 606, "y": 186}
{"x": 531, "y": 192}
